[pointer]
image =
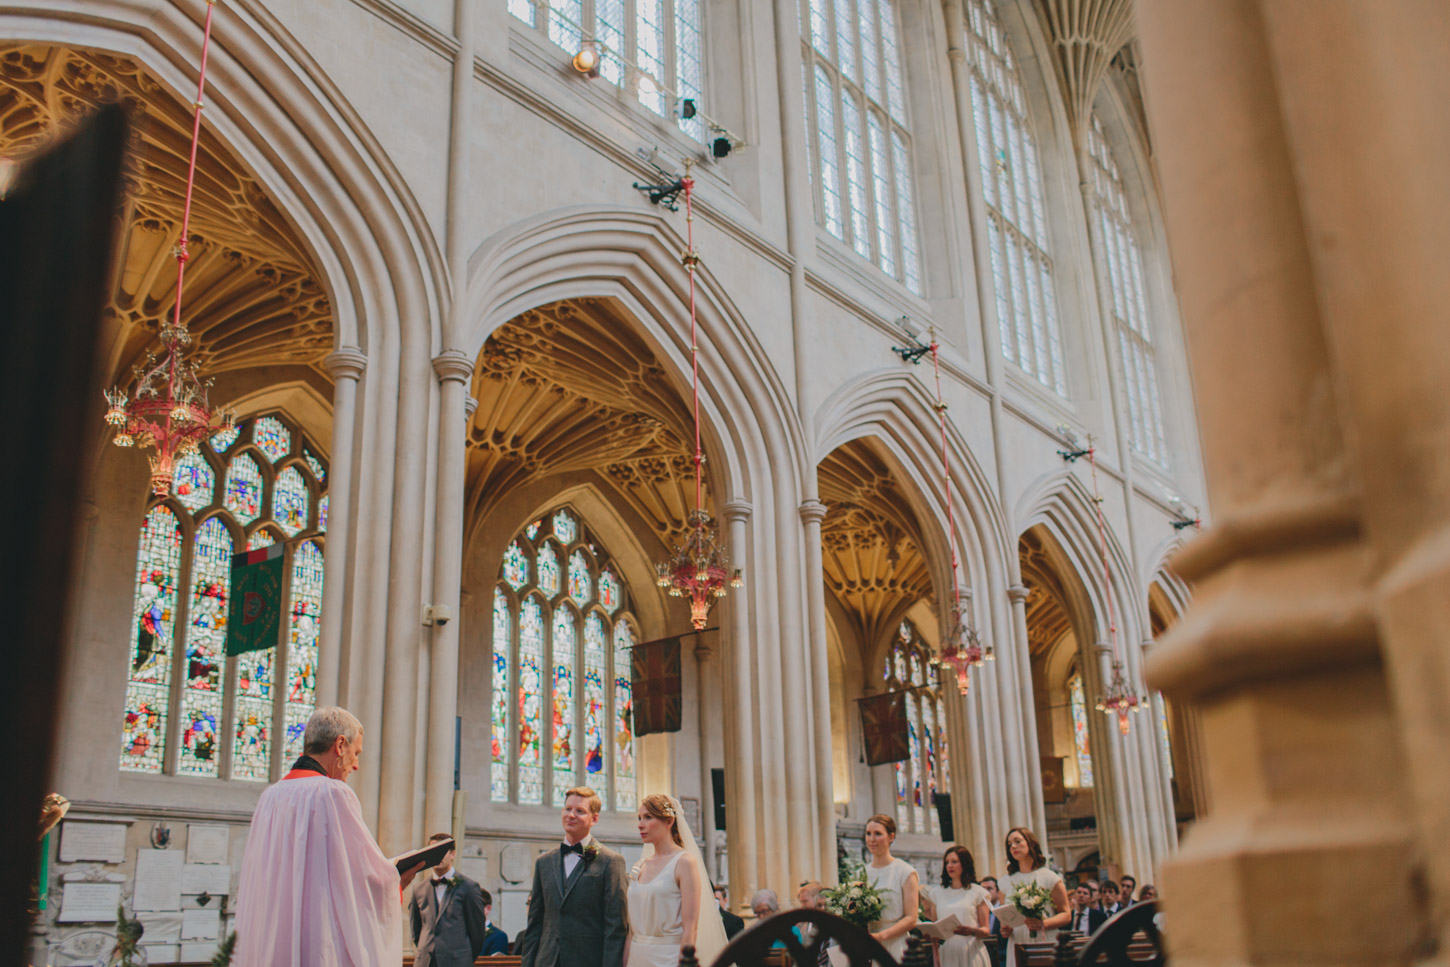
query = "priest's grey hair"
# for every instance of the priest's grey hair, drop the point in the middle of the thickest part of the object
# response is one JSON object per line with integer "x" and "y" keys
{"x": 325, "y": 725}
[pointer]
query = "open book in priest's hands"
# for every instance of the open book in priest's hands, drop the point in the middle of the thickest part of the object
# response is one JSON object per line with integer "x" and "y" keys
{"x": 428, "y": 855}
{"x": 943, "y": 929}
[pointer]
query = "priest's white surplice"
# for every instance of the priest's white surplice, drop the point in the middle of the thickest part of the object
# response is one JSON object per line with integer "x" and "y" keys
{"x": 315, "y": 889}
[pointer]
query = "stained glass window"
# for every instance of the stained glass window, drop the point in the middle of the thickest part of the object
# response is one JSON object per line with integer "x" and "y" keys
{"x": 531, "y": 698}
{"x": 1016, "y": 215}
{"x": 319, "y": 473}
{"x": 201, "y": 695}
{"x": 158, "y": 573}
{"x": 566, "y": 528}
{"x": 244, "y": 489}
{"x": 624, "y": 777}
{"x": 502, "y": 651}
{"x": 852, "y": 50}
{"x": 322, "y": 514}
{"x": 223, "y": 439}
{"x": 515, "y": 566}
{"x": 579, "y": 579}
{"x": 272, "y": 438}
{"x": 1123, "y": 262}
{"x": 548, "y": 564}
{"x": 305, "y": 623}
{"x": 608, "y": 591}
{"x": 1165, "y": 738}
{"x": 1081, "y": 749}
{"x": 587, "y": 730}
{"x": 198, "y": 558}
{"x": 926, "y": 772}
{"x": 650, "y": 48}
{"x": 532, "y": 531}
{"x": 289, "y": 502}
{"x": 596, "y": 709}
{"x": 194, "y": 482}
{"x": 563, "y": 721}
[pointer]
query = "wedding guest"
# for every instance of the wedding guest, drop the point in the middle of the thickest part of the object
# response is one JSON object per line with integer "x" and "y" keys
{"x": 1111, "y": 904}
{"x": 448, "y": 915}
{"x": 962, "y": 897}
{"x": 1086, "y": 917}
{"x": 733, "y": 924}
{"x": 808, "y": 897}
{"x": 495, "y": 941}
{"x": 1127, "y": 884}
{"x": 995, "y": 899}
{"x": 897, "y": 881}
{"x": 764, "y": 904}
{"x": 1149, "y": 892}
{"x": 1026, "y": 864}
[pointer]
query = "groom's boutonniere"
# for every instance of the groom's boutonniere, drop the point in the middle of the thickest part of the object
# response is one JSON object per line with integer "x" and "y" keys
{"x": 590, "y": 851}
{"x": 455, "y": 880}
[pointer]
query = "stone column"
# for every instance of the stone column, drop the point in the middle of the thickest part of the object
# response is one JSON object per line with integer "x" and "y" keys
{"x": 1024, "y": 804}
{"x": 346, "y": 367}
{"x": 1279, "y": 649}
{"x": 707, "y": 703}
{"x": 740, "y": 784}
{"x": 1370, "y": 148}
{"x": 812, "y": 513}
{"x": 454, "y": 369}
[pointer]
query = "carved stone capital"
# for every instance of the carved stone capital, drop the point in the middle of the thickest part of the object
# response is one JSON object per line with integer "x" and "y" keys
{"x": 736, "y": 510}
{"x": 1017, "y": 593}
{"x": 452, "y": 365}
{"x": 346, "y": 363}
{"x": 812, "y": 511}
{"x": 470, "y": 406}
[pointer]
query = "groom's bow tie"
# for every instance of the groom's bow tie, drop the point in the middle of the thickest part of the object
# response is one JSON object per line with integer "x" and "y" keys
{"x": 577, "y": 848}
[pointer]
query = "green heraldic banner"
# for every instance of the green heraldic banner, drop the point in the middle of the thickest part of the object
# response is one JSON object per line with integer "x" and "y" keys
{"x": 254, "y": 621}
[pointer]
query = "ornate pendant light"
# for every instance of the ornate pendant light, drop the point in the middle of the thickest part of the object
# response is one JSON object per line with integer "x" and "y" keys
{"x": 699, "y": 569}
{"x": 1118, "y": 698}
{"x": 963, "y": 649}
{"x": 166, "y": 407}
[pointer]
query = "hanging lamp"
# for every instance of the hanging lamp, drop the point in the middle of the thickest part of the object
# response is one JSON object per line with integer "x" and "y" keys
{"x": 165, "y": 407}
{"x": 1118, "y": 698}
{"x": 699, "y": 569}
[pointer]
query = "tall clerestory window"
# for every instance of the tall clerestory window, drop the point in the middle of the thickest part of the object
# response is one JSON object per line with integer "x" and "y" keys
{"x": 927, "y": 772}
{"x": 1016, "y": 216}
{"x": 561, "y": 703}
{"x": 650, "y": 48}
{"x": 190, "y": 709}
{"x": 857, "y": 130}
{"x": 1082, "y": 751}
{"x": 1123, "y": 262}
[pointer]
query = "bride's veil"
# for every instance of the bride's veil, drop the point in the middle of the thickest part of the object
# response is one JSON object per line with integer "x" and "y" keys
{"x": 710, "y": 934}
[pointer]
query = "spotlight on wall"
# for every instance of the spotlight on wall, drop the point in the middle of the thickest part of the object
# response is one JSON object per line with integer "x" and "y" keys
{"x": 914, "y": 348}
{"x": 1184, "y": 515}
{"x": 687, "y": 108}
{"x": 586, "y": 60}
{"x": 720, "y": 147}
{"x": 1075, "y": 449}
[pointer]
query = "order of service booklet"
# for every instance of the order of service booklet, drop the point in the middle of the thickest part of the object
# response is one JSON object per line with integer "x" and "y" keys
{"x": 943, "y": 929}
{"x": 429, "y": 855}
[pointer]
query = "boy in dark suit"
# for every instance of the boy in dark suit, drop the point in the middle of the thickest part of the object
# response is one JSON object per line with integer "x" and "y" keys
{"x": 448, "y": 915}
{"x": 495, "y": 941}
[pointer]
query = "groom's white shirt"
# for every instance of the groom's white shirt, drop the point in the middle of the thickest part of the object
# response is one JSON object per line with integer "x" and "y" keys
{"x": 572, "y": 860}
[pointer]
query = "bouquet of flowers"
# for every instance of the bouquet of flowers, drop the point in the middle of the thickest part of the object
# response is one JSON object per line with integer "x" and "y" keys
{"x": 856, "y": 901}
{"x": 1033, "y": 902}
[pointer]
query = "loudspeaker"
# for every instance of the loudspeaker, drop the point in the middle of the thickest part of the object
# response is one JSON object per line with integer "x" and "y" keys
{"x": 943, "y": 801}
{"x": 717, "y": 785}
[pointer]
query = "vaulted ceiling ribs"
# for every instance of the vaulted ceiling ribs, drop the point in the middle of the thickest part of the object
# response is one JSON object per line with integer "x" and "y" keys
{"x": 252, "y": 297}
{"x": 872, "y": 544}
{"x": 571, "y": 387}
{"x": 1047, "y": 614}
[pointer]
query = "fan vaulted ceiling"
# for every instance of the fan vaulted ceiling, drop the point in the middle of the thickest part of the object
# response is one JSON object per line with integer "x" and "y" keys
{"x": 571, "y": 387}
{"x": 252, "y": 298}
{"x": 1047, "y": 615}
{"x": 872, "y": 542}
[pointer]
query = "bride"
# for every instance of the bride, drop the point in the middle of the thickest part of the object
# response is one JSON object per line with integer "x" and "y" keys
{"x": 670, "y": 903}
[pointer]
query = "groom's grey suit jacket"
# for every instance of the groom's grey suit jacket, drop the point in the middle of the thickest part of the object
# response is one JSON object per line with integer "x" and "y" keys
{"x": 581, "y": 920}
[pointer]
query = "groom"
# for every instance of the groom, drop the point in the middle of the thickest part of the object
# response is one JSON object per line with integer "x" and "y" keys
{"x": 577, "y": 911}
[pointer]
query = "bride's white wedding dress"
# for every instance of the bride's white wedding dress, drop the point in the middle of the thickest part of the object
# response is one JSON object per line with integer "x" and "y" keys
{"x": 655, "y": 926}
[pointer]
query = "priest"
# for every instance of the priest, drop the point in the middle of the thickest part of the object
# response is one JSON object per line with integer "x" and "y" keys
{"x": 315, "y": 889}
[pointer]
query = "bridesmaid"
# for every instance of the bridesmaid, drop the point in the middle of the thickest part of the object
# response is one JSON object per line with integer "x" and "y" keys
{"x": 961, "y": 896}
{"x": 897, "y": 881}
{"x": 1026, "y": 864}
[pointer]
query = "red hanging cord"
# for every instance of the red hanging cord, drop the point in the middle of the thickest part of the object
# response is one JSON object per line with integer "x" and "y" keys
{"x": 690, "y": 259}
{"x": 181, "y": 250}
{"x": 1103, "y": 545}
{"x": 946, "y": 465}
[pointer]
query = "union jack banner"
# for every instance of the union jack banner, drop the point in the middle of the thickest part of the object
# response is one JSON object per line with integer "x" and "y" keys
{"x": 655, "y": 685}
{"x": 884, "y": 728}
